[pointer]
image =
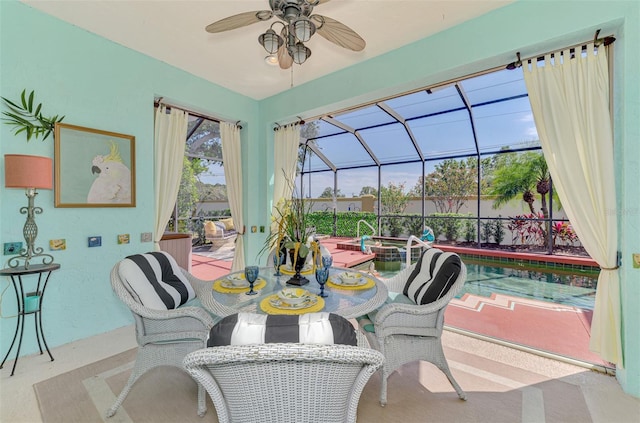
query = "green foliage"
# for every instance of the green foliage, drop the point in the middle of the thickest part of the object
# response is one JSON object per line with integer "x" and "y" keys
{"x": 498, "y": 231}
{"x": 487, "y": 231}
{"x": 368, "y": 191}
{"x": 414, "y": 225}
{"x": 24, "y": 117}
{"x": 448, "y": 224}
{"x": 347, "y": 223}
{"x": 449, "y": 184}
{"x": 394, "y": 201}
{"x": 328, "y": 193}
{"x": 470, "y": 230}
{"x": 188, "y": 195}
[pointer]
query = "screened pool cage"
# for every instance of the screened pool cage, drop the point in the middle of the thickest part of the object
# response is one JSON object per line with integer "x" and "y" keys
{"x": 438, "y": 157}
{"x": 449, "y": 150}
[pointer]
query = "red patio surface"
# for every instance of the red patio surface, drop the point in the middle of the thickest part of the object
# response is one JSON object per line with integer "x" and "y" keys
{"x": 549, "y": 327}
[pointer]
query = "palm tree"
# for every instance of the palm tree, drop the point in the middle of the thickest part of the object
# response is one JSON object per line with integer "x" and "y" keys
{"x": 522, "y": 174}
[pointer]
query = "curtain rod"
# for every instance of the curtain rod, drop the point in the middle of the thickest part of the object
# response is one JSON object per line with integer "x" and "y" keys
{"x": 300, "y": 121}
{"x": 596, "y": 41}
{"x": 159, "y": 102}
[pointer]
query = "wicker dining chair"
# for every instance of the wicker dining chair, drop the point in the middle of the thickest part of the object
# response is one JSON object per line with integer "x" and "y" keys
{"x": 284, "y": 382}
{"x": 164, "y": 337}
{"x": 405, "y": 331}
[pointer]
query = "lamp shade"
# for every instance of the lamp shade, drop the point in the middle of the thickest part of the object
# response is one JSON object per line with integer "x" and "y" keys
{"x": 22, "y": 171}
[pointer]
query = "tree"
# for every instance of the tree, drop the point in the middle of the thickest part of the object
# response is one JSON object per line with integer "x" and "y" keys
{"x": 187, "y": 193}
{"x": 521, "y": 174}
{"x": 205, "y": 142}
{"x": 328, "y": 193}
{"x": 449, "y": 184}
{"x": 368, "y": 191}
{"x": 394, "y": 201}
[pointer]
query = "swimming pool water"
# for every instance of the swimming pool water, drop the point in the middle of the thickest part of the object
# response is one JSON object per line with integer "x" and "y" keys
{"x": 577, "y": 290}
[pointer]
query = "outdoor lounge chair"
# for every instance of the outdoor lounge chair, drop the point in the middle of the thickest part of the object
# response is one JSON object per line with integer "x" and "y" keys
{"x": 409, "y": 327}
{"x": 166, "y": 333}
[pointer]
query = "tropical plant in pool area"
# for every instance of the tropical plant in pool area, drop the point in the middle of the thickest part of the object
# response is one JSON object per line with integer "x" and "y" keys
{"x": 27, "y": 118}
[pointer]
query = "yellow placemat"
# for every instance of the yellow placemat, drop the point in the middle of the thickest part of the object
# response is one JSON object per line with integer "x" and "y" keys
{"x": 217, "y": 286}
{"x": 266, "y": 306}
{"x": 370, "y": 284}
{"x": 285, "y": 271}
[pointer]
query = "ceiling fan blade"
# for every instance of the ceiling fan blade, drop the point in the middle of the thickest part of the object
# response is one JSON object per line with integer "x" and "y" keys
{"x": 338, "y": 33}
{"x": 239, "y": 20}
{"x": 284, "y": 58}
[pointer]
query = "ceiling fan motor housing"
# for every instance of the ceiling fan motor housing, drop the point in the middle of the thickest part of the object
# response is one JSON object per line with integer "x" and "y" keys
{"x": 288, "y": 10}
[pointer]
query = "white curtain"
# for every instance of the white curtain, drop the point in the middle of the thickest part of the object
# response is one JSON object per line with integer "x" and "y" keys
{"x": 570, "y": 103}
{"x": 232, "y": 157}
{"x": 286, "y": 143}
{"x": 170, "y": 137}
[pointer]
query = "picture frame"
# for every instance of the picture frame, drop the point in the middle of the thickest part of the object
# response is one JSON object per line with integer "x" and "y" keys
{"x": 93, "y": 168}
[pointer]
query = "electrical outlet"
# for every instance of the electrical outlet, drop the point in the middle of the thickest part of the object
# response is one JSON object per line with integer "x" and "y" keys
{"x": 145, "y": 237}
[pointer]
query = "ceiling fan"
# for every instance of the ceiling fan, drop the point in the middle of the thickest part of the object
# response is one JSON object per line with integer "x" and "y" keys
{"x": 298, "y": 25}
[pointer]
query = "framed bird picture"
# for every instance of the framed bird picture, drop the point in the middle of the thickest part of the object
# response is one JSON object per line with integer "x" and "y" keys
{"x": 93, "y": 168}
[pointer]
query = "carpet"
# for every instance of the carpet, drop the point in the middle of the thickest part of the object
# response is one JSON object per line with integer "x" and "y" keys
{"x": 502, "y": 385}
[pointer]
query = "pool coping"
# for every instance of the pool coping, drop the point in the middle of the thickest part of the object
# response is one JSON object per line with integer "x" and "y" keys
{"x": 563, "y": 262}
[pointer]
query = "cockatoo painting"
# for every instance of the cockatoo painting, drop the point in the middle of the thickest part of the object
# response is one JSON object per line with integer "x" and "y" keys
{"x": 113, "y": 183}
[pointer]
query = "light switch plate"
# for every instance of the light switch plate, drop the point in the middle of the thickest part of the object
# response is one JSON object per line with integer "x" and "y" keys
{"x": 145, "y": 237}
{"x": 12, "y": 248}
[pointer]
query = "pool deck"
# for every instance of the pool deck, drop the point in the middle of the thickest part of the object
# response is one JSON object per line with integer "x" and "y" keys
{"x": 554, "y": 328}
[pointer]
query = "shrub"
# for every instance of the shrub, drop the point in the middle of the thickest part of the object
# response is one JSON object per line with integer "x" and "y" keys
{"x": 470, "y": 230}
{"x": 498, "y": 231}
{"x": 487, "y": 231}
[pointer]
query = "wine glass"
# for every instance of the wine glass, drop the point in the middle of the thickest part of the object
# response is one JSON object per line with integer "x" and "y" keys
{"x": 251, "y": 273}
{"x": 322, "y": 275}
{"x": 327, "y": 261}
{"x": 277, "y": 261}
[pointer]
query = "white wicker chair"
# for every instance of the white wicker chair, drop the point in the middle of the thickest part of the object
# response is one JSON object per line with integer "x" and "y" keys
{"x": 407, "y": 332}
{"x": 164, "y": 337}
{"x": 284, "y": 383}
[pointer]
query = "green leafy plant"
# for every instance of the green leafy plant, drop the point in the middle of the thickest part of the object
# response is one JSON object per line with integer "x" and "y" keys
{"x": 24, "y": 117}
{"x": 498, "y": 231}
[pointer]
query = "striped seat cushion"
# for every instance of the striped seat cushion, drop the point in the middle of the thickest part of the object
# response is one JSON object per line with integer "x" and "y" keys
{"x": 309, "y": 328}
{"x": 155, "y": 280}
{"x": 432, "y": 277}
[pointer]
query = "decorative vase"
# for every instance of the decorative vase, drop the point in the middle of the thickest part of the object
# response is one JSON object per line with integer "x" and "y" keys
{"x": 298, "y": 265}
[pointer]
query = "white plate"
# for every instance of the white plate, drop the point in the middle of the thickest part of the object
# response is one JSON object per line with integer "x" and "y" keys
{"x": 337, "y": 281}
{"x": 276, "y": 302}
{"x": 236, "y": 283}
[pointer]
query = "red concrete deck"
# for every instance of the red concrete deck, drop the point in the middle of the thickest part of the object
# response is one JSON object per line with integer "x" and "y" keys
{"x": 549, "y": 327}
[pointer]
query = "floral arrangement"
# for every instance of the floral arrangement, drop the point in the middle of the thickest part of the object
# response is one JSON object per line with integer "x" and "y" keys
{"x": 291, "y": 223}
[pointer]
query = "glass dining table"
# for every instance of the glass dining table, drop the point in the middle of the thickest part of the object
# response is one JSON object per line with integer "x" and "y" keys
{"x": 225, "y": 296}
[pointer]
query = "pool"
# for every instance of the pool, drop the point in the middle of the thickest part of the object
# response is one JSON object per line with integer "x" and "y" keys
{"x": 559, "y": 287}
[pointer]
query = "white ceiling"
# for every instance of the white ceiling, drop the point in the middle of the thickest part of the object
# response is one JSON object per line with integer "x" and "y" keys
{"x": 173, "y": 31}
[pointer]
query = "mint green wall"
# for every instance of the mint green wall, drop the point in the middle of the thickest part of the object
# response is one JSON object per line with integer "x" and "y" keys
{"x": 531, "y": 27}
{"x": 99, "y": 84}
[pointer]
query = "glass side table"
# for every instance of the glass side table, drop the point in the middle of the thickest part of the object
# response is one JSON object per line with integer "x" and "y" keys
{"x": 31, "y": 303}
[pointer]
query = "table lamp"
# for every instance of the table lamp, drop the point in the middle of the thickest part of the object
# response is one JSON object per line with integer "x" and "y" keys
{"x": 30, "y": 173}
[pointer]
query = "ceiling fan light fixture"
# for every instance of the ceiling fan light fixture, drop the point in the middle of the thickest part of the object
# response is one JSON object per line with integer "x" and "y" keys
{"x": 271, "y": 60}
{"x": 300, "y": 53}
{"x": 303, "y": 29}
{"x": 270, "y": 41}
